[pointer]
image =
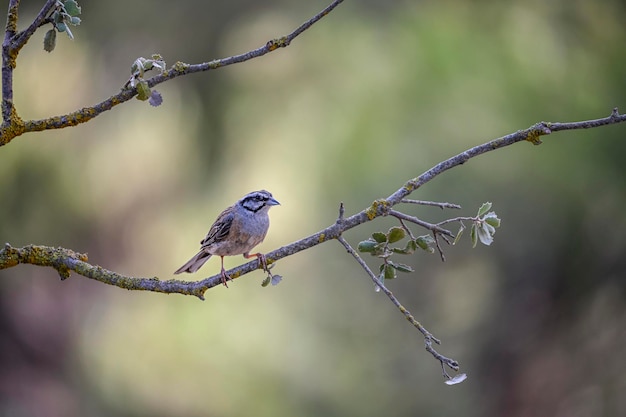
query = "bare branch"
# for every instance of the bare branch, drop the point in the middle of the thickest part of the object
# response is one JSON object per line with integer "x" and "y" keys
{"x": 438, "y": 246}
{"x": 432, "y": 227}
{"x": 456, "y": 219}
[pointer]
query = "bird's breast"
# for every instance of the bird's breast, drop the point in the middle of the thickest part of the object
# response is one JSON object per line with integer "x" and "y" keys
{"x": 244, "y": 235}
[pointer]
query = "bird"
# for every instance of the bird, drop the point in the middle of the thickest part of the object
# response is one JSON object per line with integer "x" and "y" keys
{"x": 237, "y": 230}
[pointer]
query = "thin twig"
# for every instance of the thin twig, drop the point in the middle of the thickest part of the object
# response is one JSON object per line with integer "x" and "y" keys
{"x": 342, "y": 211}
{"x": 454, "y": 220}
{"x": 431, "y": 203}
{"x": 413, "y": 219}
{"x": 438, "y": 246}
{"x": 428, "y": 337}
{"x": 406, "y": 229}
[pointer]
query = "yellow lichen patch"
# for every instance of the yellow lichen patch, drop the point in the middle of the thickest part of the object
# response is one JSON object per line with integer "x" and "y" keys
{"x": 115, "y": 100}
{"x": 410, "y": 185}
{"x": 533, "y": 137}
{"x": 8, "y": 257}
{"x": 120, "y": 281}
{"x": 215, "y": 64}
{"x": 372, "y": 211}
{"x": 321, "y": 238}
{"x": 277, "y": 43}
{"x": 87, "y": 113}
{"x": 14, "y": 128}
{"x": 12, "y": 18}
{"x": 180, "y": 67}
{"x": 496, "y": 143}
{"x": 80, "y": 256}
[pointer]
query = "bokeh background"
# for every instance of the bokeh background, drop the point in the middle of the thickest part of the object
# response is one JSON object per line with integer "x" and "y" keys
{"x": 373, "y": 95}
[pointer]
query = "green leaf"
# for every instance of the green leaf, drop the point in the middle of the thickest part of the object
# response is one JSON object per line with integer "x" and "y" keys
{"x": 390, "y": 272}
{"x": 367, "y": 246}
{"x": 400, "y": 267}
{"x": 143, "y": 91}
{"x": 379, "y": 237}
{"x": 160, "y": 65}
{"x": 71, "y": 7}
{"x": 50, "y": 40}
{"x": 473, "y": 235}
{"x": 485, "y": 233}
{"x": 459, "y": 234}
{"x": 138, "y": 66}
{"x": 492, "y": 219}
{"x": 410, "y": 247}
{"x": 425, "y": 242}
{"x": 395, "y": 234}
{"x": 372, "y": 247}
{"x": 148, "y": 64}
{"x": 61, "y": 27}
{"x": 484, "y": 209}
{"x": 266, "y": 281}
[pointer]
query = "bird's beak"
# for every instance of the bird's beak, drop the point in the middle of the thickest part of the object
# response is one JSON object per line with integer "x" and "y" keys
{"x": 273, "y": 202}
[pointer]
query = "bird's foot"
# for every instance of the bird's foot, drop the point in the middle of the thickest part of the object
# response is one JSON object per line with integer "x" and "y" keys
{"x": 271, "y": 278}
{"x": 225, "y": 278}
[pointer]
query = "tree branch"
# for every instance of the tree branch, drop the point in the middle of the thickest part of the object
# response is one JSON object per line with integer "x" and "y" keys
{"x": 65, "y": 260}
{"x": 13, "y": 126}
{"x": 46, "y": 256}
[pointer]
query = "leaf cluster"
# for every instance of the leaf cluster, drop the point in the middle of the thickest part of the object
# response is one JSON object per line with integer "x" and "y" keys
{"x": 138, "y": 69}
{"x": 381, "y": 246}
{"x": 65, "y": 14}
{"x": 484, "y": 225}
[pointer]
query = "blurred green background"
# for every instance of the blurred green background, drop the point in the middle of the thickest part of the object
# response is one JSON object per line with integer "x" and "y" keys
{"x": 374, "y": 94}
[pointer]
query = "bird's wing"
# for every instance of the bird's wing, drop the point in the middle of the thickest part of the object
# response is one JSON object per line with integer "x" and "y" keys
{"x": 220, "y": 228}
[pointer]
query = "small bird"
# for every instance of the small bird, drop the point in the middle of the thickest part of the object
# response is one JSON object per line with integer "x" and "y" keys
{"x": 237, "y": 230}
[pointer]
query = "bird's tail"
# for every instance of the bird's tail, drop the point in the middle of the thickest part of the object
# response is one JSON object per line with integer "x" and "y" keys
{"x": 194, "y": 263}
